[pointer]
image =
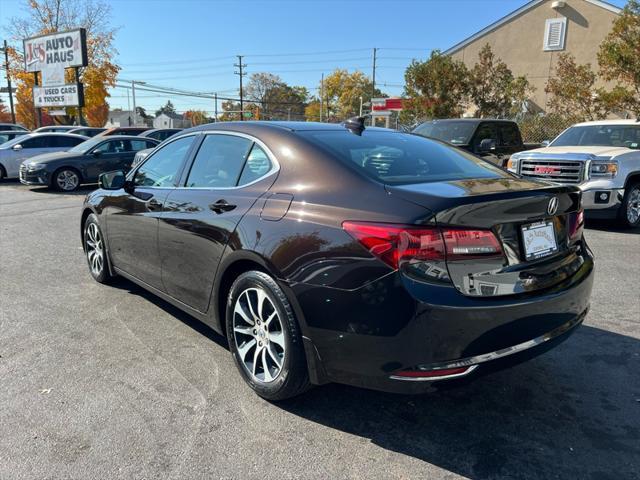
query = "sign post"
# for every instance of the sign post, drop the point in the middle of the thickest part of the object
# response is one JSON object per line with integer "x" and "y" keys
{"x": 50, "y": 55}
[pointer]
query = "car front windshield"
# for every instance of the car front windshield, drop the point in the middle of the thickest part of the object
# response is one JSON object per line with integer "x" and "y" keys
{"x": 456, "y": 133}
{"x": 398, "y": 158}
{"x": 600, "y": 135}
{"x": 87, "y": 145}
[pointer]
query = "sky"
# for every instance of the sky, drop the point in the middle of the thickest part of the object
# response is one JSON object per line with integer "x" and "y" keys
{"x": 192, "y": 44}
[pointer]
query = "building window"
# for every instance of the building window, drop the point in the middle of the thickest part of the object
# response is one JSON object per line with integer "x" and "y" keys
{"x": 554, "y": 33}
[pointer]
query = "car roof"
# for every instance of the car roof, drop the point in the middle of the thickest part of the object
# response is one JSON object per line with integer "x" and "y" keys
{"x": 467, "y": 120}
{"x": 126, "y": 137}
{"x": 241, "y": 126}
{"x": 609, "y": 122}
{"x": 23, "y": 132}
{"x": 59, "y": 134}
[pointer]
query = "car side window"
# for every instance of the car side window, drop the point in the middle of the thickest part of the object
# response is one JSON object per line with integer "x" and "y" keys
{"x": 41, "y": 141}
{"x": 257, "y": 165}
{"x": 66, "y": 141}
{"x": 163, "y": 167}
{"x": 509, "y": 136}
{"x": 139, "y": 145}
{"x": 112, "y": 146}
{"x": 219, "y": 161}
{"x": 485, "y": 130}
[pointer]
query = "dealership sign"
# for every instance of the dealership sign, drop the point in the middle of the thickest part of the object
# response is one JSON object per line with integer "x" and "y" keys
{"x": 71, "y": 95}
{"x": 387, "y": 104}
{"x": 56, "y": 51}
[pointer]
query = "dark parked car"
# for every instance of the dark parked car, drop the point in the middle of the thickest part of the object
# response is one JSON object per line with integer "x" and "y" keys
{"x": 66, "y": 171}
{"x": 337, "y": 253}
{"x": 87, "y": 131}
{"x": 161, "y": 133}
{"x": 494, "y": 140}
{"x": 12, "y": 126}
{"x": 6, "y": 135}
{"x": 124, "y": 131}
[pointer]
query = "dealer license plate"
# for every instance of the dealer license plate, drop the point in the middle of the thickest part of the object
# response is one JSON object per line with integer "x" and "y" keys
{"x": 539, "y": 240}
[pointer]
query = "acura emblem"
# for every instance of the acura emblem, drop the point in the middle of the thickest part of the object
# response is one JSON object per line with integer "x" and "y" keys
{"x": 552, "y": 208}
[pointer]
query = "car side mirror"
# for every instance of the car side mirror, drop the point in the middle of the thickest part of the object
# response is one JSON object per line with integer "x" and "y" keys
{"x": 96, "y": 153}
{"x": 112, "y": 180}
{"x": 17, "y": 147}
{"x": 487, "y": 145}
{"x": 545, "y": 143}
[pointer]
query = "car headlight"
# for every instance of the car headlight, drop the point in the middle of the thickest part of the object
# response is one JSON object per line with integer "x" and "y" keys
{"x": 604, "y": 169}
{"x": 512, "y": 164}
{"x": 32, "y": 167}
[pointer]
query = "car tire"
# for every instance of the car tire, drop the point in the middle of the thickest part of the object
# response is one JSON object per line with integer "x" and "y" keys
{"x": 264, "y": 337}
{"x": 95, "y": 250}
{"x": 3, "y": 173}
{"x": 66, "y": 179}
{"x": 629, "y": 213}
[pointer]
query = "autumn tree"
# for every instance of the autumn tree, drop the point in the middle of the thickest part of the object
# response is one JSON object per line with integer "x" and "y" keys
{"x": 493, "y": 88}
{"x": 573, "y": 93}
{"x": 619, "y": 55}
{"x": 342, "y": 92}
{"x": 197, "y": 117}
{"x": 277, "y": 99}
{"x": 312, "y": 111}
{"x": 435, "y": 88}
{"x": 50, "y": 16}
{"x": 5, "y": 114}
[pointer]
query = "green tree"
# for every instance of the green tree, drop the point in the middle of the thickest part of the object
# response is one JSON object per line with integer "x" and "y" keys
{"x": 166, "y": 108}
{"x": 276, "y": 99}
{"x": 435, "y": 88}
{"x": 619, "y": 55}
{"x": 493, "y": 89}
{"x": 573, "y": 93}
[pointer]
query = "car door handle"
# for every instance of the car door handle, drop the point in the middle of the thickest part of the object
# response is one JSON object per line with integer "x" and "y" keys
{"x": 221, "y": 206}
{"x": 154, "y": 205}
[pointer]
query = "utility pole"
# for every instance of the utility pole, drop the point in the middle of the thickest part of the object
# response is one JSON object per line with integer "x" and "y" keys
{"x": 321, "y": 95}
{"x": 133, "y": 95}
{"x": 6, "y": 66}
{"x": 240, "y": 66}
{"x": 215, "y": 107}
{"x": 80, "y": 117}
{"x": 289, "y": 114}
{"x": 360, "y": 106}
{"x": 373, "y": 82}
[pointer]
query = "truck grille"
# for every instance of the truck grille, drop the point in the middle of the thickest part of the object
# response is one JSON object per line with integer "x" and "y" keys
{"x": 554, "y": 170}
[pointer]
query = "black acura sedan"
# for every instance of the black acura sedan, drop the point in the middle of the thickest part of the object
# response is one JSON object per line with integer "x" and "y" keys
{"x": 66, "y": 171}
{"x": 335, "y": 253}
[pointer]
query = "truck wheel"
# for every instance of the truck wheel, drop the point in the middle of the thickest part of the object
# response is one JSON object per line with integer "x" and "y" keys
{"x": 629, "y": 214}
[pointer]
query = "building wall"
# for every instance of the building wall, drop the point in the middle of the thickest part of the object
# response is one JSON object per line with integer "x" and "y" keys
{"x": 519, "y": 42}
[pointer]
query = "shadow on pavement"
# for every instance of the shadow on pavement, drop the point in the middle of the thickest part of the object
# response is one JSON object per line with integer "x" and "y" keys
{"x": 610, "y": 226}
{"x": 574, "y": 412}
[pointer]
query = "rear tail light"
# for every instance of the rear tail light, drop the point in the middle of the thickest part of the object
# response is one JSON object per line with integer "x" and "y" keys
{"x": 395, "y": 244}
{"x": 576, "y": 224}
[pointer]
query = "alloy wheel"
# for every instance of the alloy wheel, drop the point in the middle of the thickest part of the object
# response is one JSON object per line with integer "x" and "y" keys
{"x": 633, "y": 206}
{"x": 95, "y": 249}
{"x": 258, "y": 335}
{"x": 67, "y": 180}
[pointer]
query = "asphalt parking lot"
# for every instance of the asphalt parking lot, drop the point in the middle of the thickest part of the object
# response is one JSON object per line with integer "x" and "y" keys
{"x": 111, "y": 382}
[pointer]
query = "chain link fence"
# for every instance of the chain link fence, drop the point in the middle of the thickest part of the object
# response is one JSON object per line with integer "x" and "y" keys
{"x": 538, "y": 128}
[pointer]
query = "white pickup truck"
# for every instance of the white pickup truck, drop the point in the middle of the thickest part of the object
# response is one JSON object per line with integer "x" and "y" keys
{"x": 602, "y": 158}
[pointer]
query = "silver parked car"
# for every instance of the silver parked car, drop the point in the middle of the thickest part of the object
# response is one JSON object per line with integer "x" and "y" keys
{"x": 14, "y": 152}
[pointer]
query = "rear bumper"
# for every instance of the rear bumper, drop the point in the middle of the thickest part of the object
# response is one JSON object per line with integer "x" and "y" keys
{"x": 366, "y": 336}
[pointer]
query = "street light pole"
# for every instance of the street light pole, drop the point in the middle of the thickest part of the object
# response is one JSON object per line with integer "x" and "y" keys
{"x": 360, "y": 106}
{"x": 133, "y": 95}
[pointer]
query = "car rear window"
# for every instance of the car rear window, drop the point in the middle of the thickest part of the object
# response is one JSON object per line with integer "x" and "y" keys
{"x": 398, "y": 158}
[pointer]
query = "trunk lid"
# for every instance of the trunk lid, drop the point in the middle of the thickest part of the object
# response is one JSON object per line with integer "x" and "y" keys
{"x": 505, "y": 206}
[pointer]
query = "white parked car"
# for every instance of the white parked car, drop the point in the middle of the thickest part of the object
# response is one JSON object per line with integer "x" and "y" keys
{"x": 602, "y": 158}
{"x": 14, "y": 152}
